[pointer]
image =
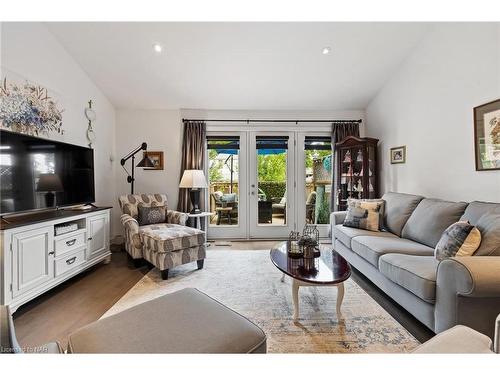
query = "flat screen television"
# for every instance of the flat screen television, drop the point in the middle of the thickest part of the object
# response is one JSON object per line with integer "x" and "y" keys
{"x": 37, "y": 173}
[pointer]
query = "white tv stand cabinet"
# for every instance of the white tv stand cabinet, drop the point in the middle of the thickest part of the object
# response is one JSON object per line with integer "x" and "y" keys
{"x": 33, "y": 259}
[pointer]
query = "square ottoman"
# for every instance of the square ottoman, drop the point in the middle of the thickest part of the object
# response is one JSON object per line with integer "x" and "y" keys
{"x": 187, "y": 321}
{"x": 171, "y": 245}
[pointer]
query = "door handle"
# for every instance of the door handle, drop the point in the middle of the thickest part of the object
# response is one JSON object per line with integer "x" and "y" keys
{"x": 71, "y": 260}
{"x": 51, "y": 253}
{"x": 71, "y": 242}
{"x": 89, "y": 239}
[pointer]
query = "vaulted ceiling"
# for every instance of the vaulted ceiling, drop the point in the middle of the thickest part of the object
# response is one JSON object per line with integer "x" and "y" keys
{"x": 240, "y": 65}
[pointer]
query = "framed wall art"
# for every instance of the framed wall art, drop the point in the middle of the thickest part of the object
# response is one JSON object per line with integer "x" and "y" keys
{"x": 487, "y": 136}
{"x": 157, "y": 159}
{"x": 398, "y": 155}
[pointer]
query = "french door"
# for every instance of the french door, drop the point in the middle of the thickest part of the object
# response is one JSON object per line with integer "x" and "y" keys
{"x": 264, "y": 184}
{"x": 272, "y": 184}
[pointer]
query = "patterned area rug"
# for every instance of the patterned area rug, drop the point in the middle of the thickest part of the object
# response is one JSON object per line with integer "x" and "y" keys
{"x": 249, "y": 283}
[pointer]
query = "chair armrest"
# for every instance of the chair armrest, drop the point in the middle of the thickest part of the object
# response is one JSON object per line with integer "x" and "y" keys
{"x": 129, "y": 223}
{"x": 468, "y": 293}
{"x": 133, "y": 241}
{"x": 176, "y": 217}
{"x": 337, "y": 217}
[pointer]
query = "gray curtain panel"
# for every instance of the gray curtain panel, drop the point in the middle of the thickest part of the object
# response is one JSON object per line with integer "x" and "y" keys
{"x": 193, "y": 157}
{"x": 340, "y": 130}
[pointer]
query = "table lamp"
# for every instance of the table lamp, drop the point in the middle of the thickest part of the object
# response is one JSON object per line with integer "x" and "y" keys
{"x": 194, "y": 179}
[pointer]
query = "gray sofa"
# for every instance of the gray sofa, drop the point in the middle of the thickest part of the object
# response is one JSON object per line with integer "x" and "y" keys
{"x": 400, "y": 260}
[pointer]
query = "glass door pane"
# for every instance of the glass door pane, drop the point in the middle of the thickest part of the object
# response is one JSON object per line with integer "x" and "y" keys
{"x": 318, "y": 179}
{"x": 272, "y": 177}
{"x": 314, "y": 180}
{"x": 226, "y": 195}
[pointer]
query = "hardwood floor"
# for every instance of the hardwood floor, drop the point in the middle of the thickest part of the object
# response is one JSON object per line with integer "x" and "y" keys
{"x": 75, "y": 303}
{"x": 86, "y": 297}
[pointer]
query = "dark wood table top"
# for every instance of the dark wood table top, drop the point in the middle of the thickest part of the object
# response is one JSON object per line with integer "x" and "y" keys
{"x": 329, "y": 268}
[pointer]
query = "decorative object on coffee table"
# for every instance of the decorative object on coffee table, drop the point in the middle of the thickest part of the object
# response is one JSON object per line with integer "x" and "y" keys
{"x": 157, "y": 158}
{"x": 194, "y": 179}
{"x": 330, "y": 269}
{"x": 398, "y": 155}
{"x": 487, "y": 136}
{"x": 294, "y": 250}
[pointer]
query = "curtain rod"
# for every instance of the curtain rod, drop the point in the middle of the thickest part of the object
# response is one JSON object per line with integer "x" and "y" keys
{"x": 295, "y": 121}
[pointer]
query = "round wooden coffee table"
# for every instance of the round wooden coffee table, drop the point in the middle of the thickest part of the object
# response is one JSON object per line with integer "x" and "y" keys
{"x": 330, "y": 269}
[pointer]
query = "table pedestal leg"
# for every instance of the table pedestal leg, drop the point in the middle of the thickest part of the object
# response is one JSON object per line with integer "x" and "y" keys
{"x": 295, "y": 298}
{"x": 340, "y": 297}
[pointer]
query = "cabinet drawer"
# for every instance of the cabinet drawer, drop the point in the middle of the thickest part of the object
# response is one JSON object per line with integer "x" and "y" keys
{"x": 69, "y": 261}
{"x": 69, "y": 243}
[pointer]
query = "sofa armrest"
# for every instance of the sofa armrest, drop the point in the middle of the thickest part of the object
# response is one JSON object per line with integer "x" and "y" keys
{"x": 337, "y": 217}
{"x": 468, "y": 293}
{"x": 176, "y": 217}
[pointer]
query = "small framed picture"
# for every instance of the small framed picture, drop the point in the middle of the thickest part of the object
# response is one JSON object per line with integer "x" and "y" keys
{"x": 398, "y": 155}
{"x": 487, "y": 136}
{"x": 157, "y": 159}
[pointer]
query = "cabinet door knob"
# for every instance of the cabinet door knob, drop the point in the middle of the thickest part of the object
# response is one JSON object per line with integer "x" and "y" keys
{"x": 51, "y": 253}
{"x": 89, "y": 239}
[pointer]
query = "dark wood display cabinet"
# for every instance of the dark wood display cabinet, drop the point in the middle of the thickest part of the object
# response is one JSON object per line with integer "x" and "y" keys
{"x": 357, "y": 171}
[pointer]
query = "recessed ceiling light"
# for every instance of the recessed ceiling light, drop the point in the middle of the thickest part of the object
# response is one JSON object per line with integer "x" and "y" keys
{"x": 157, "y": 48}
{"x": 326, "y": 50}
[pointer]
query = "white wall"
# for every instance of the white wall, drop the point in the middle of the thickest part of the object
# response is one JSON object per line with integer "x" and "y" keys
{"x": 30, "y": 51}
{"x": 427, "y": 106}
{"x": 162, "y": 131}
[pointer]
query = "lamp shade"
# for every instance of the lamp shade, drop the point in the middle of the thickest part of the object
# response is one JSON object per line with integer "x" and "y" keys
{"x": 49, "y": 182}
{"x": 193, "y": 179}
{"x": 146, "y": 162}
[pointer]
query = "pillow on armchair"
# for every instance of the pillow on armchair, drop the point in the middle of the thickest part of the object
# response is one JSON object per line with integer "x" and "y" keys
{"x": 151, "y": 215}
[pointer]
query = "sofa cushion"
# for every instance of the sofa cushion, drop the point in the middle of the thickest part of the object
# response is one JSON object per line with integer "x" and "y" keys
{"x": 371, "y": 248}
{"x": 489, "y": 226}
{"x": 186, "y": 321}
{"x": 397, "y": 209}
{"x": 459, "y": 239}
{"x": 171, "y": 237}
{"x": 151, "y": 215}
{"x": 346, "y": 234}
{"x": 416, "y": 274}
{"x": 363, "y": 214}
{"x": 430, "y": 219}
{"x": 476, "y": 209}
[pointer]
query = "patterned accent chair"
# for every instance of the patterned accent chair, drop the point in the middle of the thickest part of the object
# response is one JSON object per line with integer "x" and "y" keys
{"x": 164, "y": 245}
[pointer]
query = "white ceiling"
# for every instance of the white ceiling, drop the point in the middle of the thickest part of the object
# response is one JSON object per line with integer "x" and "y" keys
{"x": 240, "y": 65}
